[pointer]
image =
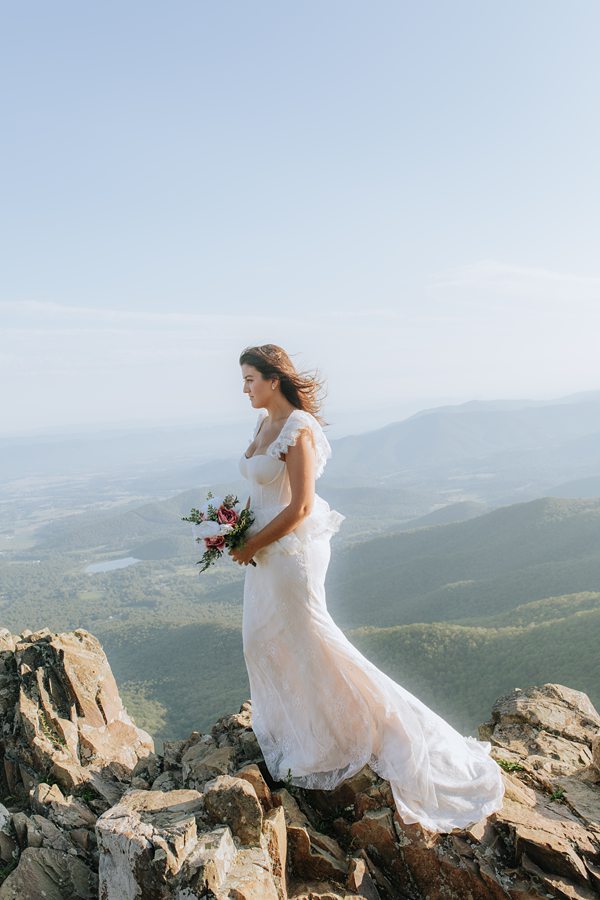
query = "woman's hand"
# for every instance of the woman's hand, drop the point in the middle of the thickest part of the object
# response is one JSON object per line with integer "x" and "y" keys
{"x": 243, "y": 555}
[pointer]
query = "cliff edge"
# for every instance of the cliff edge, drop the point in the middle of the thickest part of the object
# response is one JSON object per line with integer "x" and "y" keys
{"x": 88, "y": 808}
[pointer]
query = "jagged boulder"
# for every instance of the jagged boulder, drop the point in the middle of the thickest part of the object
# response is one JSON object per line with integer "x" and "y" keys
{"x": 156, "y": 844}
{"x": 234, "y": 801}
{"x": 205, "y": 760}
{"x": 312, "y": 853}
{"x": 64, "y": 719}
{"x": 144, "y": 841}
{"x": 67, "y": 751}
{"x": 49, "y": 874}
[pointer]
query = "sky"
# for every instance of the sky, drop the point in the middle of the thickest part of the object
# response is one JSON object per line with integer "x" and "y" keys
{"x": 405, "y": 196}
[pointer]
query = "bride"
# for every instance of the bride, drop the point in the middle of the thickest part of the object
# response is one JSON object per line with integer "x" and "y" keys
{"x": 320, "y": 709}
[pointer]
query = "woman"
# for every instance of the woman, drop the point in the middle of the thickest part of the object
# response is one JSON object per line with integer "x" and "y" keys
{"x": 320, "y": 709}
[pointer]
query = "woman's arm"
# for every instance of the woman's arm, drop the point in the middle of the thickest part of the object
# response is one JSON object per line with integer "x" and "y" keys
{"x": 300, "y": 459}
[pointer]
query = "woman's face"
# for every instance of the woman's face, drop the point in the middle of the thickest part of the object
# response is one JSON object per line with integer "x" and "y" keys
{"x": 258, "y": 388}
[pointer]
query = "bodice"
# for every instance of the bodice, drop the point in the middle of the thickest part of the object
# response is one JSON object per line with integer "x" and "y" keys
{"x": 270, "y": 484}
{"x": 270, "y": 489}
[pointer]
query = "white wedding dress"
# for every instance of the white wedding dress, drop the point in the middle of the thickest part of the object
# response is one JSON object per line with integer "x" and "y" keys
{"x": 320, "y": 709}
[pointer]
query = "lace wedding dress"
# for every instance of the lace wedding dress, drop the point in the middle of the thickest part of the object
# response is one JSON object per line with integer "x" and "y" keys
{"x": 320, "y": 709}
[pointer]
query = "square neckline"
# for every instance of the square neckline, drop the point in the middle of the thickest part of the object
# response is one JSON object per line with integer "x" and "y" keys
{"x": 273, "y": 441}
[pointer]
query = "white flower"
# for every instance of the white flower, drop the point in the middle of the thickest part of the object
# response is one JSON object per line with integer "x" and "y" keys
{"x": 210, "y": 529}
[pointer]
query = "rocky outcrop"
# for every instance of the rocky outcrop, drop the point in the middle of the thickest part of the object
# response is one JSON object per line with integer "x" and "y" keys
{"x": 88, "y": 809}
{"x": 67, "y": 721}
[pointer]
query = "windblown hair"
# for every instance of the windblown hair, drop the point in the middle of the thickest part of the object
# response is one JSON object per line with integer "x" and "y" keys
{"x": 300, "y": 388}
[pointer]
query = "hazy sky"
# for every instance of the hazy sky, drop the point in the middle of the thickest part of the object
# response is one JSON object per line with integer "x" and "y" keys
{"x": 404, "y": 195}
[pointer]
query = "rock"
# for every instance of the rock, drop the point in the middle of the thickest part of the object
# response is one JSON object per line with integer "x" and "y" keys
{"x": 248, "y": 746}
{"x": 218, "y": 869}
{"x": 347, "y": 794}
{"x": 233, "y": 801}
{"x": 8, "y": 844}
{"x": 20, "y": 822}
{"x": 375, "y": 833}
{"x": 312, "y": 854}
{"x": 252, "y": 774}
{"x": 172, "y": 752}
{"x": 144, "y": 841}
{"x": 316, "y": 855}
{"x": 67, "y": 812}
{"x": 41, "y": 832}
{"x": 168, "y": 781}
{"x": 201, "y": 763}
{"x": 68, "y": 716}
{"x": 148, "y": 767}
{"x": 548, "y": 729}
{"x": 315, "y": 890}
{"x": 595, "y": 747}
{"x": 360, "y": 881}
{"x": 293, "y": 813}
{"x": 382, "y": 883}
{"x": 275, "y": 833}
{"x": 236, "y": 721}
{"x": 108, "y": 790}
{"x": 208, "y": 864}
{"x": 250, "y": 877}
{"x": 51, "y": 875}
{"x": 83, "y": 838}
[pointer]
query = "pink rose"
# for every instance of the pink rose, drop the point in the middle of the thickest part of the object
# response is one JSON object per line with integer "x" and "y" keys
{"x": 226, "y": 516}
{"x": 217, "y": 540}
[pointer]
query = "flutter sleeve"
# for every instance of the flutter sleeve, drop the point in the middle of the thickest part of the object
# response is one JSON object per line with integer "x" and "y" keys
{"x": 297, "y": 421}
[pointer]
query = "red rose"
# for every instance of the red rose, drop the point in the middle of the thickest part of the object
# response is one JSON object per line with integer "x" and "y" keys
{"x": 226, "y": 516}
{"x": 217, "y": 540}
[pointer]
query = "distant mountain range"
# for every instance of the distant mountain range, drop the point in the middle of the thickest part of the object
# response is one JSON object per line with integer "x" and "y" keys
{"x": 496, "y": 452}
{"x": 469, "y": 560}
{"x": 489, "y": 452}
{"x": 449, "y": 463}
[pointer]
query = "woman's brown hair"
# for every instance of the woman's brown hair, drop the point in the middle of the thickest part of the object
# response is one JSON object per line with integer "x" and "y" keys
{"x": 300, "y": 388}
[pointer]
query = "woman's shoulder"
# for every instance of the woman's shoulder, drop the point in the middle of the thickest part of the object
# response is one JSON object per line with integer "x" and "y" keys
{"x": 297, "y": 422}
{"x": 300, "y": 419}
{"x": 302, "y": 416}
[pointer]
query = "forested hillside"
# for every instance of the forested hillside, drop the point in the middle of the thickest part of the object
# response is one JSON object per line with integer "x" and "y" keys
{"x": 456, "y": 612}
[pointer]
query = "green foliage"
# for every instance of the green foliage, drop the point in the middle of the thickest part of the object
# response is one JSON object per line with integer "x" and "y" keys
{"x": 469, "y": 571}
{"x": 510, "y": 765}
{"x": 86, "y": 793}
{"x": 174, "y": 679}
{"x": 140, "y": 700}
{"x": 49, "y": 730}
{"x": 458, "y": 614}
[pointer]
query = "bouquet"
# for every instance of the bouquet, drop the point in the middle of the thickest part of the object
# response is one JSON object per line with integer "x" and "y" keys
{"x": 220, "y": 526}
